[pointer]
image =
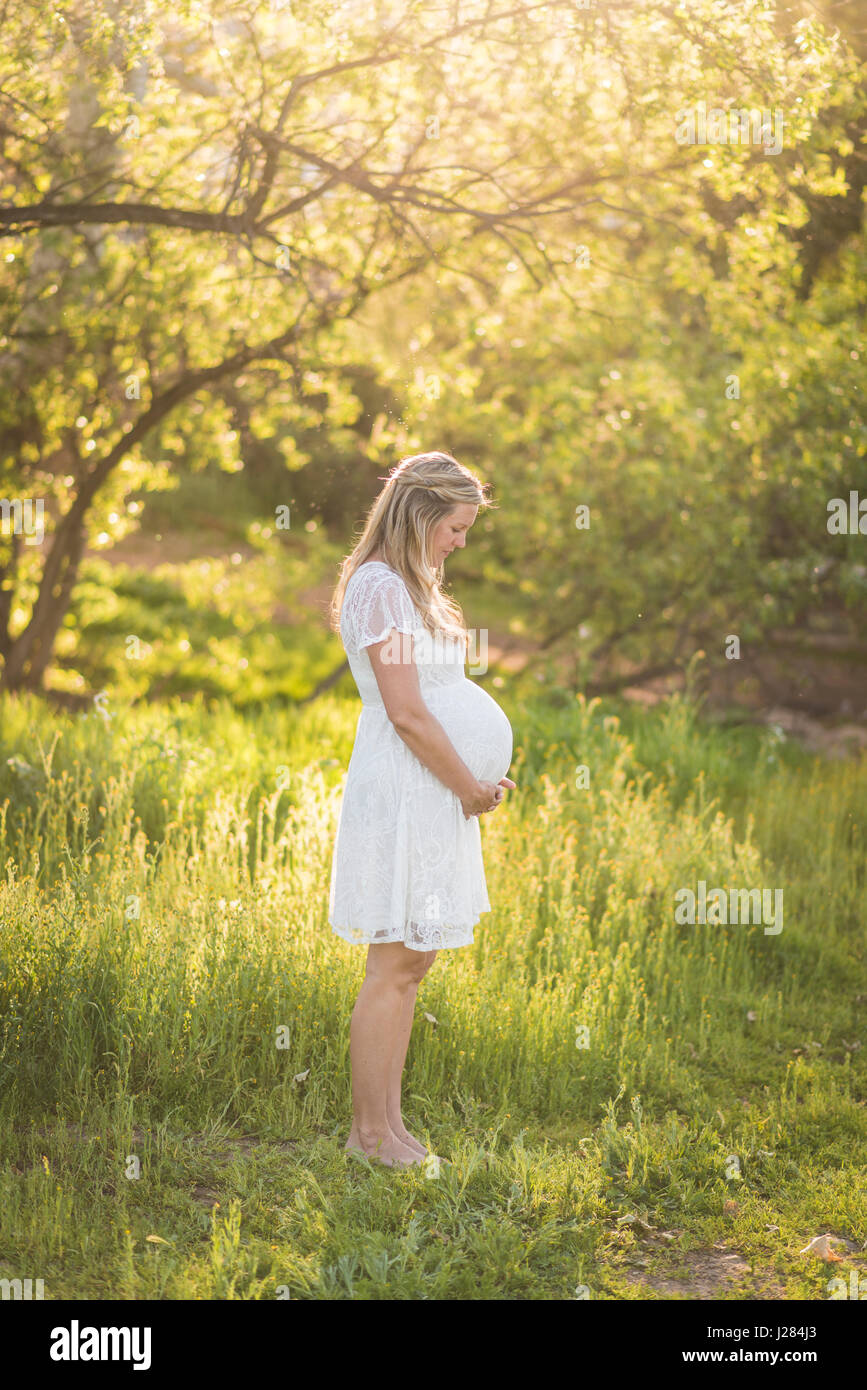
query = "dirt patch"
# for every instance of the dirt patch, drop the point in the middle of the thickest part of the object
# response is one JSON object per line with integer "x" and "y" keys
{"x": 173, "y": 548}
{"x": 704, "y": 1274}
{"x": 205, "y": 1196}
{"x": 833, "y": 741}
{"x": 225, "y": 1150}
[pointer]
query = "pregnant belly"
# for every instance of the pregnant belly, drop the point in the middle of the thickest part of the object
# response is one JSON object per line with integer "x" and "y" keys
{"x": 478, "y": 728}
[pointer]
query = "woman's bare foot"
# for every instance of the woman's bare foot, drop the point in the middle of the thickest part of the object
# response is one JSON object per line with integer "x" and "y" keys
{"x": 387, "y": 1149}
{"x": 400, "y": 1131}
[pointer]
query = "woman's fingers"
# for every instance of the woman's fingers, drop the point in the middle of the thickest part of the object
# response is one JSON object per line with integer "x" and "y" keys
{"x": 499, "y": 794}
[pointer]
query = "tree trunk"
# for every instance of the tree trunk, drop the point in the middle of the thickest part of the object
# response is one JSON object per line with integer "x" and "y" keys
{"x": 27, "y": 655}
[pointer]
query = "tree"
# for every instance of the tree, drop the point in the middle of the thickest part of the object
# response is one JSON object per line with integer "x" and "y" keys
{"x": 128, "y": 303}
{"x": 201, "y": 212}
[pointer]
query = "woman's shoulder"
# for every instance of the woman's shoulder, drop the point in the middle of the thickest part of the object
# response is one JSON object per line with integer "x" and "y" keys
{"x": 373, "y": 573}
{"x": 376, "y": 597}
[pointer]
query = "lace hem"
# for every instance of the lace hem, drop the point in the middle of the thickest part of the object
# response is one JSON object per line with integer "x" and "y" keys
{"x": 417, "y": 937}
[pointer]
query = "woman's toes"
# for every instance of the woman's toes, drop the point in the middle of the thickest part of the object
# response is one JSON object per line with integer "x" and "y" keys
{"x": 401, "y": 1132}
{"x": 390, "y": 1151}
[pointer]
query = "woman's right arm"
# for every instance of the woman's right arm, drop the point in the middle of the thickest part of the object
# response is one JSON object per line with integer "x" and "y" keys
{"x": 397, "y": 678}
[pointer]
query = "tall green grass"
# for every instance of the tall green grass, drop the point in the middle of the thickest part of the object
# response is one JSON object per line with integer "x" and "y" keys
{"x": 163, "y": 911}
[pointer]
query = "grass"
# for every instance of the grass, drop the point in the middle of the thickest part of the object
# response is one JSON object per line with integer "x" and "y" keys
{"x": 618, "y": 1094}
{"x": 222, "y": 625}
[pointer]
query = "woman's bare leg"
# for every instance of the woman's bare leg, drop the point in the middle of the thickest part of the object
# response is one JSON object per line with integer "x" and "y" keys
{"x": 393, "y": 1103}
{"x": 374, "y": 1037}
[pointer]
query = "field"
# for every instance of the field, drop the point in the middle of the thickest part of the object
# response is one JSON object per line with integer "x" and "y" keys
{"x": 631, "y": 1107}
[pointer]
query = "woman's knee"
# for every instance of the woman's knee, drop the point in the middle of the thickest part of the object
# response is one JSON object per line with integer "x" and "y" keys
{"x": 395, "y": 964}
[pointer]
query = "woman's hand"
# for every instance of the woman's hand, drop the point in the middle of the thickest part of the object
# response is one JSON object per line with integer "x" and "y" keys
{"x": 501, "y": 785}
{"x": 484, "y": 798}
{"x": 489, "y": 795}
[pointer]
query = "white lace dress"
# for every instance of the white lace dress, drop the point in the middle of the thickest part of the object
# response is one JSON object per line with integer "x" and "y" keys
{"x": 407, "y": 864}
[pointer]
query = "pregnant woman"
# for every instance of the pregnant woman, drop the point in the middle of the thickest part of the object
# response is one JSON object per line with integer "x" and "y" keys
{"x": 431, "y": 754}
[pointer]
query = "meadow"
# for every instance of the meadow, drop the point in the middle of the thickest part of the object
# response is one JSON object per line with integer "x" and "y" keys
{"x": 631, "y": 1107}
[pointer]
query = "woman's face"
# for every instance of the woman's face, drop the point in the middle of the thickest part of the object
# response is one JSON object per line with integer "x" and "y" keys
{"x": 451, "y": 533}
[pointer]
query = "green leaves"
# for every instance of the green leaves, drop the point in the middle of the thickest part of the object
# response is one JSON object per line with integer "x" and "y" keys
{"x": 276, "y": 244}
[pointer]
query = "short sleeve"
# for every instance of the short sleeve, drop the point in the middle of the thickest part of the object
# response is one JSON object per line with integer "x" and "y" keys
{"x": 379, "y": 602}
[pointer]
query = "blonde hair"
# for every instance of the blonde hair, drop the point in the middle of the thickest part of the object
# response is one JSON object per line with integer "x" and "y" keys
{"x": 419, "y": 492}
